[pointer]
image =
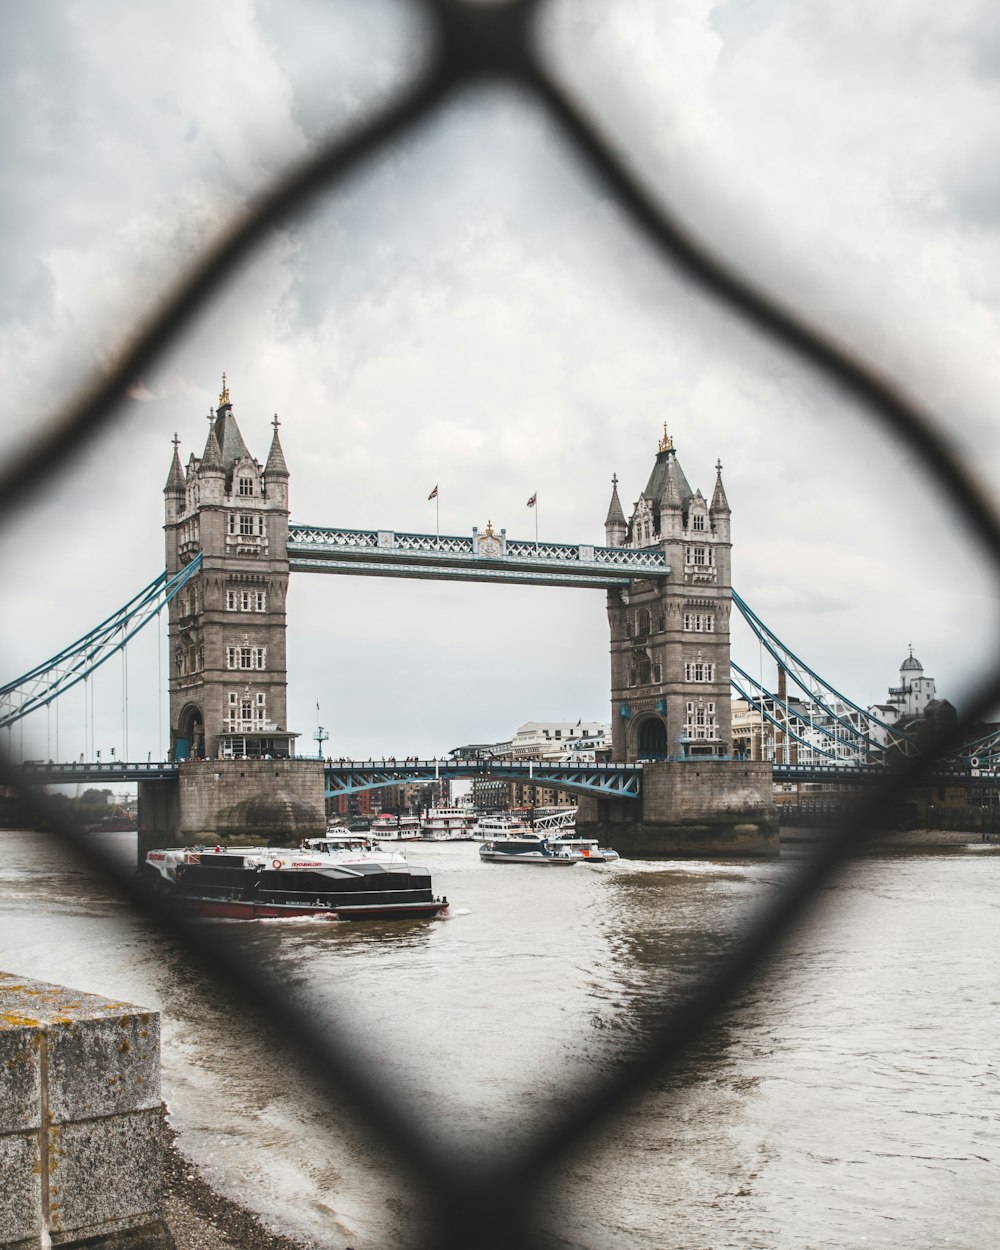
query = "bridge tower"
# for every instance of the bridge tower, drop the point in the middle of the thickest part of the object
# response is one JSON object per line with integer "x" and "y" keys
{"x": 670, "y": 686}
{"x": 227, "y": 626}
{"x": 670, "y": 639}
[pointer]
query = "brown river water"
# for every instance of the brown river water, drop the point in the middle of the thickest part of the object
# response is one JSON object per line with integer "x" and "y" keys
{"x": 851, "y": 1098}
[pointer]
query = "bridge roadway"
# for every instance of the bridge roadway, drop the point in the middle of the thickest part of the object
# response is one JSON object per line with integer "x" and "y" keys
{"x": 609, "y": 780}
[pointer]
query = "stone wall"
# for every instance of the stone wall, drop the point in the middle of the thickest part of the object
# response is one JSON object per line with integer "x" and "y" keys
{"x": 251, "y": 801}
{"x": 81, "y": 1121}
{"x": 694, "y": 809}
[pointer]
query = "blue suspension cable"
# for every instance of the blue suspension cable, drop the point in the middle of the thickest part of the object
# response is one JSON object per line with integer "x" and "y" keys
{"x": 75, "y": 663}
{"x": 771, "y": 641}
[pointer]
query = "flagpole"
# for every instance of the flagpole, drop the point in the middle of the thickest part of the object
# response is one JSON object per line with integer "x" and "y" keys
{"x": 536, "y": 522}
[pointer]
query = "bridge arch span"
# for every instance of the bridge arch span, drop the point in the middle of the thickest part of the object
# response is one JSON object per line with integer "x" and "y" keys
{"x": 189, "y": 742}
{"x": 607, "y": 780}
{"x": 649, "y": 737}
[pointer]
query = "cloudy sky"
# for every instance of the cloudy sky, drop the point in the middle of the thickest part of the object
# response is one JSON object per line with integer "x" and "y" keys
{"x": 471, "y": 310}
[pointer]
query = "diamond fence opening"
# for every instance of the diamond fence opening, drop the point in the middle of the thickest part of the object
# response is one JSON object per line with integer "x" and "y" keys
{"x": 492, "y": 1202}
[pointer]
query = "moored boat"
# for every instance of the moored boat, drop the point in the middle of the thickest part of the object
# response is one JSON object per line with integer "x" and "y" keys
{"x": 500, "y": 825}
{"x": 529, "y": 848}
{"x": 342, "y": 878}
{"x": 445, "y": 824}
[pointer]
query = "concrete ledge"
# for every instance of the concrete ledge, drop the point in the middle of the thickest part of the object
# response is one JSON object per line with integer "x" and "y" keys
{"x": 81, "y": 1121}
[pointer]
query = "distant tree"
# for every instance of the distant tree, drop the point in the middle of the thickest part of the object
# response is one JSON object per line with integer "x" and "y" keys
{"x": 94, "y": 804}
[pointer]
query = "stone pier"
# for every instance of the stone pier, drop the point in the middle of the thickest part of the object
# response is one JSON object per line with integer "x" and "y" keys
{"x": 234, "y": 802}
{"x": 708, "y": 809}
{"x": 81, "y": 1121}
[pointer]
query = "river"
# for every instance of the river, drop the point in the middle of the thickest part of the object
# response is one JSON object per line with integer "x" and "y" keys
{"x": 851, "y": 1098}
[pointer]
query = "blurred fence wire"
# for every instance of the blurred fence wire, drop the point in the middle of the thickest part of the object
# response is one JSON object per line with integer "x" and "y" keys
{"x": 490, "y": 1202}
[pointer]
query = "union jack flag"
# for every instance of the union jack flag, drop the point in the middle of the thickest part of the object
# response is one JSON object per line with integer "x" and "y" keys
{"x": 531, "y": 501}
{"x": 433, "y": 494}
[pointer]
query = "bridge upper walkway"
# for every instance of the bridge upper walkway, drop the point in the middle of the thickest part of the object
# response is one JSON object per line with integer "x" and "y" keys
{"x": 480, "y": 557}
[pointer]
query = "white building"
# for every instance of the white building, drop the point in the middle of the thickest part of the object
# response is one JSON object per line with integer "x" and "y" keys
{"x": 558, "y": 740}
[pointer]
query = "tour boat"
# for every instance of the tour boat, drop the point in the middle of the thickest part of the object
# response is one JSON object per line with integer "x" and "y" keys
{"x": 445, "y": 824}
{"x": 386, "y": 823}
{"x": 500, "y": 824}
{"x": 335, "y": 877}
{"x": 529, "y": 848}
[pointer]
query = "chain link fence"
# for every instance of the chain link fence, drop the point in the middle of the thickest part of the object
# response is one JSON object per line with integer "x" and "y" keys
{"x": 490, "y": 1203}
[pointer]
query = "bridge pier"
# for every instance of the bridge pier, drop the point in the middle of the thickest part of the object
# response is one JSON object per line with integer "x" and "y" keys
{"x": 234, "y": 803}
{"x": 159, "y": 815}
{"x": 692, "y": 809}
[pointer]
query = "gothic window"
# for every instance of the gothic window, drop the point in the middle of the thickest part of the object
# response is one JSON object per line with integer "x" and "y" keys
{"x": 246, "y": 657}
{"x": 698, "y": 521}
{"x": 246, "y": 600}
{"x": 699, "y": 622}
{"x": 246, "y": 485}
{"x": 246, "y": 523}
{"x": 699, "y": 555}
{"x": 699, "y": 670}
{"x": 699, "y": 721}
{"x": 642, "y": 623}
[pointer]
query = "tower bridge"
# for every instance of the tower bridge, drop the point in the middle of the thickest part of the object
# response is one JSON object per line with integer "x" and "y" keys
{"x": 673, "y": 784}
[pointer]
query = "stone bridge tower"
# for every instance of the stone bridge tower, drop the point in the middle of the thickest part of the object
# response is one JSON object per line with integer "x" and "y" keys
{"x": 670, "y": 639}
{"x": 670, "y": 684}
{"x": 227, "y": 626}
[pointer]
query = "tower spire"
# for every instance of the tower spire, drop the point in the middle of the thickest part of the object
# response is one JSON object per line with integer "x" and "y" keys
{"x": 175, "y": 478}
{"x": 275, "y": 466}
{"x": 719, "y": 501}
{"x": 615, "y": 527}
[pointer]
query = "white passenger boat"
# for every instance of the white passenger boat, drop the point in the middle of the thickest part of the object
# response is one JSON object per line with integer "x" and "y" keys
{"x": 529, "y": 848}
{"x": 500, "y": 825}
{"x": 445, "y": 824}
{"x": 409, "y": 829}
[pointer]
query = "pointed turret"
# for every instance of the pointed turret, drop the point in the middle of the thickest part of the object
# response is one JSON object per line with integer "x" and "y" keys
{"x": 227, "y": 432}
{"x": 615, "y": 527}
{"x": 667, "y": 481}
{"x": 719, "y": 511}
{"x": 175, "y": 478}
{"x": 719, "y": 501}
{"x": 275, "y": 466}
{"x": 211, "y": 460}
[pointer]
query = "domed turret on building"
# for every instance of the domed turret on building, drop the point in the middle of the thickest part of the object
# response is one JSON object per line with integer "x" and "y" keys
{"x": 915, "y": 698}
